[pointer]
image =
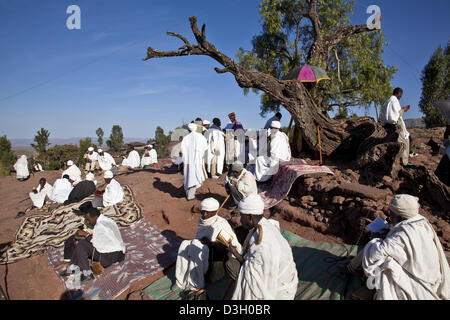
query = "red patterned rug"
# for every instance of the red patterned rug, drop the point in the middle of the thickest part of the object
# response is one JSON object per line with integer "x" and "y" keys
{"x": 282, "y": 182}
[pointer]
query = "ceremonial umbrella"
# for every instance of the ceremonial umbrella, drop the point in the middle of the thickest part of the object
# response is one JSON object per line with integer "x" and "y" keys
{"x": 307, "y": 74}
{"x": 444, "y": 107}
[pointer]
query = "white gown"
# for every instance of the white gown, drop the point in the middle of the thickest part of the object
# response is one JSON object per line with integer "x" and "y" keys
{"x": 150, "y": 159}
{"x": 133, "y": 160}
{"x": 113, "y": 193}
{"x": 61, "y": 190}
{"x": 21, "y": 167}
{"x": 39, "y": 198}
{"x": 193, "y": 148}
{"x": 216, "y": 148}
{"x": 106, "y": 161}
{"x": 74, "y": 173}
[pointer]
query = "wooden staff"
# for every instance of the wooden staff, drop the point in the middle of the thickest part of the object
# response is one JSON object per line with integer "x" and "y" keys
{"x": 223, "y": 203}
{"x": 320, "y": 145}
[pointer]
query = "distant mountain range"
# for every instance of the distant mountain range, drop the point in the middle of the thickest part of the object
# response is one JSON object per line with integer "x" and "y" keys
{"x": 415, "y": 123}
{"x": 15, "y": 143}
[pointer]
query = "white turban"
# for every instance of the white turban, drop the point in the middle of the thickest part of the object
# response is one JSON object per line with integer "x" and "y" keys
{"x": 90, "y": 176}
{"x": 405, "y": 206}
{"x": 275, "y": 124}
{"x": 237, "y": 166}
{"x": 210, "y": 204}
{"x": 205, "y": 122}
{"x": 108, "y": 174}
{"x": 90, "y": 149}
{"x": 150, "y": 146}
{"x": 70, "y": 163}
{"x": 192, "y": 127}
{"x": 253, "y": 204}
{"x": 100, "y": 150}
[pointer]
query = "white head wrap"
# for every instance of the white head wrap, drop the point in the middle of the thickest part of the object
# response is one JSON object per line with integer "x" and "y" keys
{"x": 205, "y": 122}
{"x": 90, "y": 149}
{"x": 100, "y": 150}
{"x": 70, "y": 163}
{"x": 210, "y": 204}
{"x": 108, "y": 174}
{"x": 237, "y": 166}
{"x": 150, "y": 146}
{"x": 192, "y": 127}
{"x": 275, "y": 124}
{"x": 253, "y": 204}
{"x": 405, "y": 206}
{"x": 90, "y": 176}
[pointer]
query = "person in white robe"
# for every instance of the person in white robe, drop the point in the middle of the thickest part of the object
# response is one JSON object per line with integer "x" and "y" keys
{"x": 409, "y": 263}
{"x": 112, "y": 194}
{"x": 215, "y": 155}
{"x": 280, "y": 151}
{"x": 91, "y": 160}
{"x": 240, "y": 183}
{"x": 61, "y": 189}
{"x": 73, "y": 172}
{"x": 193, "y": 259}
{"x": 21, "y": 167}
{"x": 193, "y": 149}
{"x": 105, "y": 160}
{"x": 133, "y": 160}
{"x": 266, "y": 270}
{"x": 38, "y": 195}
{"x": 149, "y": 157}
{"x": 37, "y": 167}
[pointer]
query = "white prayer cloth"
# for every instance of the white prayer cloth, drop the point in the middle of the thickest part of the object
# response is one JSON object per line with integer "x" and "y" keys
{"x": 216, "y": 148}
{"x": 61, "y": 190}
{"x": 246, "y": 183}
{"x": 193, "y": 148}
{"x": 113, "y": 193}
{"x": 133, "y": 160}
{"x": 192, "y": 264}
{"x": 39, "y": 197}
{"x": 21, "y": 167}
{"x": 106, "y": 236}
{"x": 408, "y": 264}
{"x": 269, "y": 271}
{"x": 391, "y": 113}
{"x": 265, "y": 166}
{"x": 106, "y": 161}
{"x": 149, "y": 159}
{"x": 73, "y": 172}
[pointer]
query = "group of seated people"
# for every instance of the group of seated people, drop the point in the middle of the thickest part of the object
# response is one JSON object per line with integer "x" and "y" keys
{"x": 133, "y": 160}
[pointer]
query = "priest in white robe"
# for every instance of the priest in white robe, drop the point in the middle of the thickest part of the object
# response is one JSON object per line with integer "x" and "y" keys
{"x": 21, "y": 167}
{"x": 266, "y": 270}
{"x": 204, "y": 253}
{"x": 105, "y": 160}
{"x": 193, "y": 148}
{"x": 43, "y": 191}
{"x": 133, "y": 160}
{"x": 91, "y": 160}
{"x": 240, "y": 183}
{"x": 37, "y": 167}
{"x": 149, "y": 157}
{"x": 409, "y": 263}
{"x": 73, "y": 172}
{"x": 280, "y": 151}
{"x": 61, "y": 189}
{"x": 215, "y": 155}
{"x": 112, "y": 194}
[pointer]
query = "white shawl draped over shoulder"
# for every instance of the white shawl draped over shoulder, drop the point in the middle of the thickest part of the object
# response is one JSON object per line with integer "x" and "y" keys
{"x": 149, "y": 159}
{"x": 106, "y": 236}
{"x": 39, "y": 197}
{"x": 21, "y": 167}
{"x": 192, "y": 264}
{"x": 193, "y": 148}
{"x": 391, "y": 112}
{"x": 61, "y": 190}
{"x": 106, "y": 161}
{"x": 133, "y": 160}
{"x": 216, "y": 148}
{"x": 210, "y": 228}
{"x": 113, "y": 193}
{"x": 73, "y": 172}
{"x": 409, "y": 264}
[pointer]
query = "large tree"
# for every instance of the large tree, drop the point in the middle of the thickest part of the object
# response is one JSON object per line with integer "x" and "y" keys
{"x": 7, "y": 157}
{"x": 41, "y": 139}
{"x": 115, "y": 141}
{"x": 435, "y": 86}
{"x": 99, "y": 132}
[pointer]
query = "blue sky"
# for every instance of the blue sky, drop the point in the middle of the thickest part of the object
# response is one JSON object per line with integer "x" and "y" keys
{"x": 73, "y": 81}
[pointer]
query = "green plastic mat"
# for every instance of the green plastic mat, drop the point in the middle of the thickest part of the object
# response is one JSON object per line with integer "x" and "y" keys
{"x": 317, "y": 267}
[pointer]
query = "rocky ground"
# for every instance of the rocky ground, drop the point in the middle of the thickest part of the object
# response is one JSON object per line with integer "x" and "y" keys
{"x": 319, "y": 208}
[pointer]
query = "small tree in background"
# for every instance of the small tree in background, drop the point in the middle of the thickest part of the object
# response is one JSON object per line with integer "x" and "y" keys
{"x": 435, "y": 86}
{"x": 7, "y": 157}
{"x": 115, "y": 141}
{"x": 162, "y": 141}
{"x": 100, "y": 134}
{"x": 41, "y": 139}
{"x": 59, "y": 155}
{"x": 84, "y": 145}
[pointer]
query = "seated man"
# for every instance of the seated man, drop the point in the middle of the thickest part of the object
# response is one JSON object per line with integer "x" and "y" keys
{"x": 105, "y": 245}
{"x": 37, "y": 166}
{"x": 241, "y": 183}
{"x": 112, "y": 194}
{"x": 280, "y": 151}
{"x": 409, "y": 263}
{"x": 204, "y": 254}
{"x": 133, "y": 160}
{"x": 149, "y": 157}
{"x": 73, "y": 172}
{"x": 38, "y": 195}
{"x": 105, "y": 160}
{"x": 21, "y": 167}
{"x": 82, "y": 190}
{"x": 266, "y": 270}
{"x": 61, "y": 189}
{"x": 91, "y": 160}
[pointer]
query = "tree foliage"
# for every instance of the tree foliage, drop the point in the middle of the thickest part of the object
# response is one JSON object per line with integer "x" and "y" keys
{"x": 7, "y": 156}
{"x": 115, "y": 141}
{"x": 58, "y": 155}
{"x": 435, "y": 86}
{"x": 99, "y": 132}
{"x": 162, "y": 142}
{"x": 288, "y": 39}
{"x": 41, "y": 139}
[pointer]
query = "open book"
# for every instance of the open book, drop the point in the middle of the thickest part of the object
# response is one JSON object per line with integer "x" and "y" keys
{"x": 224, "y": 237}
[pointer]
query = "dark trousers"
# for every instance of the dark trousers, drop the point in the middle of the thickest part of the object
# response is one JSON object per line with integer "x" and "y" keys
{"x": 79, "y": 254}
{"x": 235, "y": 194}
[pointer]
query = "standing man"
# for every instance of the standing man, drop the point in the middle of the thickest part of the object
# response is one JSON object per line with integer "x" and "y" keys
{"x": 234, "y": 124}
{"x": 391, "y": 116}
{"x": 21, "y": 167}
{"x": 276, "y": 117}
{"x": 215, "y": 155}
{"x": 193, "y": 148}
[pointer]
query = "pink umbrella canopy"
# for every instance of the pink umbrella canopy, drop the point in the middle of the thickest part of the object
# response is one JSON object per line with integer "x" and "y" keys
{"x": 307, "y": 74}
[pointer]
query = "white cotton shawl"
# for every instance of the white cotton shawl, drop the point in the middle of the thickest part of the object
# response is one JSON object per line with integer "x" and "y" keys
{"x": 113, "y": 193}
{"x": 150, "y": 159}
{"x": 391, "y": 112}
{"x": 61, "y": 190}
{"x": 73, "y": 172}
{"x": 106, "y": 236}
{"x": 21, "y": 167}
{"x": 216, "y": 149}
{"x": 210, "y": 228}
{"x": 39, "y": 198}
{"x": 106, "y": 161}
{"x": 193, "y": 148}
{"x": 192, "y": 264}
{"x": 133, "y": 160}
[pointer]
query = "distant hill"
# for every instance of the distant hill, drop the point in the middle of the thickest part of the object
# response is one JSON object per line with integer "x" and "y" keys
{"x": 16, "y": 143}
{"x": 415, "y": 123}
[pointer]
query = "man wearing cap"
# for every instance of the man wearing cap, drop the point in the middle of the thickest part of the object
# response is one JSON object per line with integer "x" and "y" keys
{"x": 409, "y": 263}
{"x": 193, "y": 149}
{"x": 240, "y": 183}
{"x": 61, "y": 189}
{"x": 105, "y": 160}
{"x": 234, "y": 124}
{"x": 149, "y": 157}
{"x": 215, "y": 154}
{"x": 91, "y": 160}
{"x": 280, "y": 151}
{"x": 133, "y": 160}
{"x": 266, "y": 270}
{"x": 204, "y": 256}
{"x": 82, "y": 190}
{"x": 112, "y": 194}
{"x": 73, "y": 172}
